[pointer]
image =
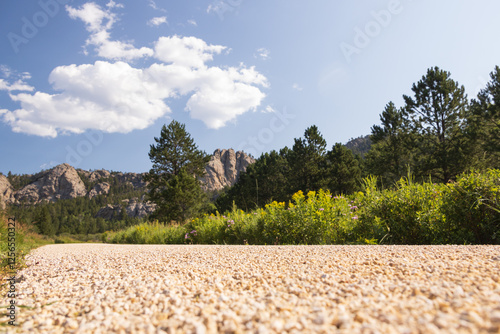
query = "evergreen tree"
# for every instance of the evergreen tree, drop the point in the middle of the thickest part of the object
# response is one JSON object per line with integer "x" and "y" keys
{"x": 307, "y": 162}
{"x": 389, "y": 156}
{"x": 343, "y": 170}
{"x": 174, "y": 177}
{"x": 264, "y": 181}
{"x": 44, "y": 220}
{"x": 437, "y": 116}
{"x": 486, "y": 121}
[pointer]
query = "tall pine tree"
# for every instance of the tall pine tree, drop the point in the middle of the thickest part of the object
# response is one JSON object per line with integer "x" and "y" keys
{"x": 174, "y": 177}
{"x": 344, "y": 173}
{"x": 307, "y": 161}
{"x": 389, "y": 156}
{"x": 486, "y": 121}
{"x": 437, "y": 116}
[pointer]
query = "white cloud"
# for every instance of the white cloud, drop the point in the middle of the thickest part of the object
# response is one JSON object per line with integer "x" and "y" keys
{"x": 14, "y": 81}
{"x": 156, "y": 21}
{"x": 5, "y": 71}
{"x": 93, "y": 16}
{"x": 262, "y": 53}
{"x": 269, "y": 109}
{"x": 296, "y": 86}
{"x": 112, "y": 4}
{"x": 98, "y": 23}
{"x": 117, "y": 97}
{"x": 193, "y": 22}
{"x": 103, "y": 96}
{"x": 222, "y": 6}
{"x": 222, "y": 95}
{"x": 16, "y": 86}
{"x": 213, "y": 7}
{"x": 185, "y": 51}
{"x": 153, "y": 5}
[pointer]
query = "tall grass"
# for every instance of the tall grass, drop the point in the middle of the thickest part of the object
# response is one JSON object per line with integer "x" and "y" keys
{"x": 25, "y": 240}
{"x": 146, "y": 233}
{"x": 466, "y": 211}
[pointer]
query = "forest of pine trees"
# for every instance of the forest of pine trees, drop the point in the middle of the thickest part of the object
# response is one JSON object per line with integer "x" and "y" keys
{"x": 436, "y": 135}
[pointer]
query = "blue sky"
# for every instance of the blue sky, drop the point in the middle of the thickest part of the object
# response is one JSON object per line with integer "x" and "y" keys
{"x": 91, "y": 83}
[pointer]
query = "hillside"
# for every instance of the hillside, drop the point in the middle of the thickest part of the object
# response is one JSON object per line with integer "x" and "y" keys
{"x": 360, "y": 145}
{"x": 76, "y": 194}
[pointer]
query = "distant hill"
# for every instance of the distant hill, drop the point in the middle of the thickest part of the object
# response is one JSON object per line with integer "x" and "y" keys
{"x": 360, "y": 145}
{"x": 118, "y": 193}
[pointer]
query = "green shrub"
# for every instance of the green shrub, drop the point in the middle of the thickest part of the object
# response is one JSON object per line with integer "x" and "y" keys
{"x": 467, "y": 211}
{"x": 411, "y": 213}
{"x": 318, "y": 218}
{"x": 472, "y": 209}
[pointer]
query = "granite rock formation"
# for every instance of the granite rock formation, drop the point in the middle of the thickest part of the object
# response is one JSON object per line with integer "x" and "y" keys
{"x": 60, "y": 182}
{"x": 133, "y": 207}
{"x": 99, "y": 189}
{"x": 224, "y": 169}
{"x": 6, "y": 191}
{"x": 65, "y": 182}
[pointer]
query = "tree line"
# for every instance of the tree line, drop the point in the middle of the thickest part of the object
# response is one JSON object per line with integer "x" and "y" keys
{"x": 435, "y": 136}
{"x": 438, "y": 133}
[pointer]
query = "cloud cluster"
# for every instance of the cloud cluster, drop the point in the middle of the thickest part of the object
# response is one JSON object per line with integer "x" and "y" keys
{"x": 98, "y": 22}
{"x": 263, "y": 54}
{"x": 157, "y": 21}
{"x": 12, "y": 81}
{"x": 112, "y": 95}
{"x": 17, "y": 85}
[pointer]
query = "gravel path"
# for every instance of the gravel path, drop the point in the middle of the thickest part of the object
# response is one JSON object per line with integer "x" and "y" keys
{"x": 99, "y": 288}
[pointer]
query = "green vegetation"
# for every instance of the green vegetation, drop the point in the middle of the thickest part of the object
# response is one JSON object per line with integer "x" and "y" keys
{"x": 308, "y": 166}
{"x": 70, "y": 216}
{"x": 437, "y": 133}
{"x": 463, "y": 212}
{"x": 174, "y": 183}
{"x": 25, "y": 240}
{"x": 485, "y": 122}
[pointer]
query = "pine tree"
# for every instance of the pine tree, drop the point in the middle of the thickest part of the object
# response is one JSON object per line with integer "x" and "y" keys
{"x": 264, "y": 181}
{"x": 437, "y": 116}
{"x": 486, "y": 121}
{"x": 307, "y": 162}
{"x": 389, "y": 156}
{"x": 44, "y": 220}
{"x": 174, "y": 177}
{"x": 343, "y": 170}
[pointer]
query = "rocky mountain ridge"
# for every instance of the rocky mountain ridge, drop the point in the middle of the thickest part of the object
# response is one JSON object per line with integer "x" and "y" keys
{"x": 66, "y": 182}
{"x": 224, "y": 168}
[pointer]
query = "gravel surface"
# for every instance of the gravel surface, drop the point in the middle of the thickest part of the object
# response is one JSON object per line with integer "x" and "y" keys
{"x": 99, "y": 288}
